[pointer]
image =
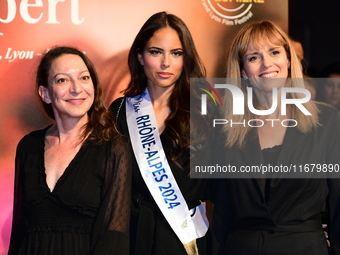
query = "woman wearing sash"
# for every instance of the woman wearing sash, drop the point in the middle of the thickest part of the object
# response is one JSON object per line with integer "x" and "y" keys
{"x": 72, "y": 184}
{"x": 278, "y": 212}
{"x": 167, "y": 216}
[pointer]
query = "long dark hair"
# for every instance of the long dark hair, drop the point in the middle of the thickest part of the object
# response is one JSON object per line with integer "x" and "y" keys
{"x": 101, "y": 123}
{"x": 178, "y": 122}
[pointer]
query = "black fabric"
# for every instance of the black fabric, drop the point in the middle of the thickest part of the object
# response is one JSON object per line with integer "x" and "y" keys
{"x": 86, "y": 213}
{"x": 270, "y": 156}
{"x": 150, "y": 232}
{"x": 284, "y": 217}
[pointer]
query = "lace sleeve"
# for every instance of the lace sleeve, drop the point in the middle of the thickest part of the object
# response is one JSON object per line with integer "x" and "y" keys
{"x": 111, "y": 230}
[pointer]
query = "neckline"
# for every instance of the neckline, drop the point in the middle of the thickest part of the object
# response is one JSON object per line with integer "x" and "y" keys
{"x": 272, "y": 149}
{"x": 67, "y": 170}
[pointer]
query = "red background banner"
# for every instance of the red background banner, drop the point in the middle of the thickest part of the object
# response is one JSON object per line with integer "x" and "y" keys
{"x": 104, "y": 30}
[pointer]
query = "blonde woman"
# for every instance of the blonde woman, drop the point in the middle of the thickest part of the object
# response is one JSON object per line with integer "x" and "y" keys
{"x": 277, "y": 213}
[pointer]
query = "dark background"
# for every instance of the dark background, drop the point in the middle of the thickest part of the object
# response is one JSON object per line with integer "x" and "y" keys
{"x": 316, "y": 24}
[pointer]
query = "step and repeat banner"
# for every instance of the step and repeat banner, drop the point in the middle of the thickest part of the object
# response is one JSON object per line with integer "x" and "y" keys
{"x": 104, "y": 29}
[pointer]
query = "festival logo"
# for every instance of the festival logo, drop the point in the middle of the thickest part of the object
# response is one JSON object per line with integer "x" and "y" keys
{"x": 230, "y": 12}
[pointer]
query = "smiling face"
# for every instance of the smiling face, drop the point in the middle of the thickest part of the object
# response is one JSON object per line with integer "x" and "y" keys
{"x": 162, "y": 59}
{"x": 264, "y": 63}
{"x": 70, "y": 89}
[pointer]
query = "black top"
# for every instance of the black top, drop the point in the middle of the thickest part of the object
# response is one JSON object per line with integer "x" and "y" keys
{"x": 150, "y": 232}
{"x": 284, "y": 217}
{"x": 86, "y": 213}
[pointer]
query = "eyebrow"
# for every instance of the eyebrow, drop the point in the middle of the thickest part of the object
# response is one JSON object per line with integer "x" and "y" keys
{"x": 274, "y": 48}
{"x": 256, "y": 52}
{"x": 177, "y": 49}
{"x": 66, "y": 74}
{"x": 160, "y": 49}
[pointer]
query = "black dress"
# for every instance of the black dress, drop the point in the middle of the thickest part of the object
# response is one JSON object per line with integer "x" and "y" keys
{"x": 150, "y": 232}
{"x": 86, "y": 213}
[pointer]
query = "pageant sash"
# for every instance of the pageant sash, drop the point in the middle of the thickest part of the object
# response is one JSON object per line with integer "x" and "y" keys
{"x": 157, "y": 173}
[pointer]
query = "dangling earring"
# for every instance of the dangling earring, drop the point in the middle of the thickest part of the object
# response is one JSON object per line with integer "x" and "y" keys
{"x": 244, "y": 76}
{"x": 246, "y": 81}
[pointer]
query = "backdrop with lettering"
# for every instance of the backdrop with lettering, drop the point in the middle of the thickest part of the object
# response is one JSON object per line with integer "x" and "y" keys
{"x": 104, "y": 30}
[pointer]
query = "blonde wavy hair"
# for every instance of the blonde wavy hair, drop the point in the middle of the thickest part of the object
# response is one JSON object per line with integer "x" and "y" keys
{"x": 256, "y": 34}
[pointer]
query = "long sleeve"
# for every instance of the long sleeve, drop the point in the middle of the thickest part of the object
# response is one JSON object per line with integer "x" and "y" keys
{"x": 334, "y": 186}
{"x": 111, "y": 230}
{"x": 19, "y": 222}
